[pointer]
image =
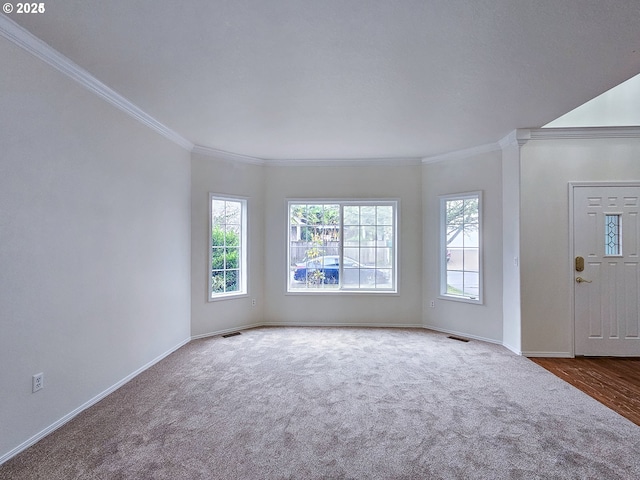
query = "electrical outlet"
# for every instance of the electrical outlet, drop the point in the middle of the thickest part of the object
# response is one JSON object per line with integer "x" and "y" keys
{"x": 37, "y": 382}
{"x": 433, "y": 304}
{"x": 253, "y": 302}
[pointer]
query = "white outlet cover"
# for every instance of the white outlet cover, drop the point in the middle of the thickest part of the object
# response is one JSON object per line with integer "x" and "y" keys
{"x": 37, "y": 382}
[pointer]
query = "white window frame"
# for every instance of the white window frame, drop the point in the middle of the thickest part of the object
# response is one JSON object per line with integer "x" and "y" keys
{"x": 341, "y": 289}
{"x": 444, "y": 294}
{"x": 243, "y": 264}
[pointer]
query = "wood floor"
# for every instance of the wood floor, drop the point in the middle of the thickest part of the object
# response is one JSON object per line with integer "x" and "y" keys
{"x": 613, "y": 381}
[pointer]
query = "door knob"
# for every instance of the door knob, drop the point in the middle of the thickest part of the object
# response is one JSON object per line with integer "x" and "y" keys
{"x": 582, "y": 280}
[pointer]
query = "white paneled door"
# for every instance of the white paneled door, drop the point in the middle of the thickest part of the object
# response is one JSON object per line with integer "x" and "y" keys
{"x": 606, "y": 270}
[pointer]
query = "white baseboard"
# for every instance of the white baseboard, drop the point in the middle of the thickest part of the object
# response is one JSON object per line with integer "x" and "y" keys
{"x": 462, "y": 334}
{"x": 342, "y": 324}
{"x": 515, "y": 350}
{"x": 57, "y": 424}
{"x": 548, "y": 354}
{"x": 226, "y": 330}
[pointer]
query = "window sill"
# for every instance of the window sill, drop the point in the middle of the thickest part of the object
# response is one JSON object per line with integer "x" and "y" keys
{"x": 343, "y": 292}
{"x": 473, "y": 301}
{"x": 228, "y": 296}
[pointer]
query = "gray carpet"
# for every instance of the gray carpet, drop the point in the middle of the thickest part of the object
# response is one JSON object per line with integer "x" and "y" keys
{"x": 339, "y": 403}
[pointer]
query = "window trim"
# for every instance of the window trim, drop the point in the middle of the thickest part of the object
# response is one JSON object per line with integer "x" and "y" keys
{"x": 341, "y": 202}
{"x": 243, "y": 270}
{"x": 443, "y": 248}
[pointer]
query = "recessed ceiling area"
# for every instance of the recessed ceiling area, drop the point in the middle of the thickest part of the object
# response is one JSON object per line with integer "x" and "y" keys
{"x": 617, "y": 107}
{"x": 331, "y": 79}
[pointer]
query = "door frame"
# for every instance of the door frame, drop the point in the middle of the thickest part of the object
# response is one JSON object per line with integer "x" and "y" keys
{"x": 572, "y": 254}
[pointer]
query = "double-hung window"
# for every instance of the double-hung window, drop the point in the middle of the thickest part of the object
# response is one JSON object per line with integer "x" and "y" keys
{"x": 227, "y": 247}
{"x": 340, "y": 246}
{"x": 460, "y": 253}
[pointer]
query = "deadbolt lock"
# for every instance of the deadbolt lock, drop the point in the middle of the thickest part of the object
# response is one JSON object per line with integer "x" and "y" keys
{"x": 579, "y": 264}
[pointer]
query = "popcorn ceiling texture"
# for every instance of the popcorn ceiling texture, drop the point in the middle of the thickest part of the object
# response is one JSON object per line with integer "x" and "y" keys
{"x": 280, "y": 403}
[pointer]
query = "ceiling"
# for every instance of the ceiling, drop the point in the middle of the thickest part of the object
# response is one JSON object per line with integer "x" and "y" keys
{"x": 346, "y": 79}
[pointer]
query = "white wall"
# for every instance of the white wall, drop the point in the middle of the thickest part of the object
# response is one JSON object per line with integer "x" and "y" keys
{"x": 511, "y": 330}
{"x": 94, "y": 245}
{"x": 372, "y": 181}
{"x": 547, "y": 167}
{"x": 215, "y": 175}
{"x": 479, "y": 172}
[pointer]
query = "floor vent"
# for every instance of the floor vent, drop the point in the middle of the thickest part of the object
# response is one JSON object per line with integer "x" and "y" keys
{"x": 231, "y": 334}
{"x": 460, "y": 339}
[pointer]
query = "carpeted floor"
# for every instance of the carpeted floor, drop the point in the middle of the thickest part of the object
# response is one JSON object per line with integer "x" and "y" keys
{"x": 339, "y": 403}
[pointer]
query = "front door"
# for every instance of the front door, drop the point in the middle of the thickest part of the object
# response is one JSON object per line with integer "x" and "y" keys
{"x": 606, "y": 237}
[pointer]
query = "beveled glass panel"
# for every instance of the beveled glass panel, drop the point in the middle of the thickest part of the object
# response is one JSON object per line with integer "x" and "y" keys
{"x": 612, "y": 235}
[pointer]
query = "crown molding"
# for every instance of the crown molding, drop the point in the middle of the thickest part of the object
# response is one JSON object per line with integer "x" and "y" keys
{"x": 462, "y": 154}
{"x": 584, "y": 133}
{"x": 32, "y": 44}
{"x": 229, "y": 156}
{"x": 312, "y": 162}
{"x": 343, "y": 162}
{"x": 516, "y": 138}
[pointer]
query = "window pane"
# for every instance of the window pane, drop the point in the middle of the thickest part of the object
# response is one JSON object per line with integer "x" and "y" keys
{"x": 471, "y": 284}
{"x": 232, "y": 213}
{"x": 217, "y": 212}
{"x": 356, "y": 252}
{"x": 217, "y": 258}
{"x": 460, "y": 236}
{"x": 471, "y": 210}
{"x": 454, "y": 211}
{"x": 232, "y": 236}
{"x": 232, "y": 284}
{"x": 352, "y": 236}
{"x": 383, "y": 257}
{"x": 471, "y": 260}
{"x": 367, "y": 234}
{"x": 351, "y": 256}
{"x": 367, "y": 215}
{"x": 226, "y": 246}
{"x": 232, "y": 258}
{"x": 351, "y": 215}
{"x": 385, "y": 215}
{"x": 217, "y": 281}
{"x": 313, "y": 252}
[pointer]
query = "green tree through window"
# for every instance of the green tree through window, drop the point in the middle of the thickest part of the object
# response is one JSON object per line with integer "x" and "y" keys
{"x": 227, "y": 264}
